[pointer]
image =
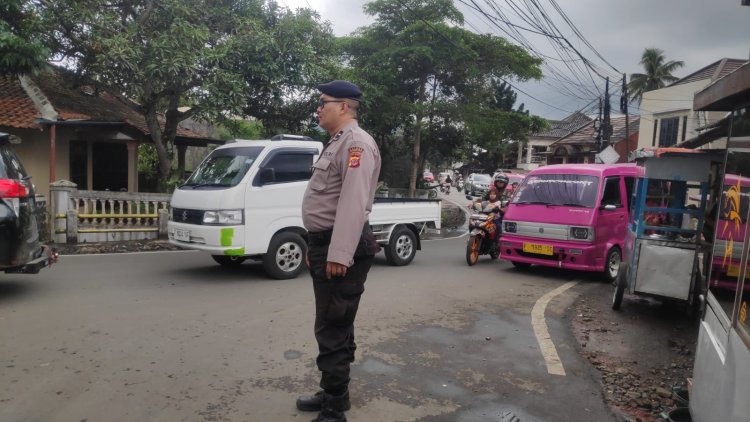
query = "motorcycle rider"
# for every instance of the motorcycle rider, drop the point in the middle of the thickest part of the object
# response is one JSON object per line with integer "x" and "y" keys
{"x": 491, "y": 203}
{"x": 447, "y": 184}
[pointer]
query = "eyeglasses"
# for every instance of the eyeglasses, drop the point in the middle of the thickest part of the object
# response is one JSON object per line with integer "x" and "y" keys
{"x": 322, "y": 102}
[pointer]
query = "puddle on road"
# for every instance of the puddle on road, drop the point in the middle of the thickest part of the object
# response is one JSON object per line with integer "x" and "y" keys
{"x": 292, "y": 354}
{"x": 378, "y": 367}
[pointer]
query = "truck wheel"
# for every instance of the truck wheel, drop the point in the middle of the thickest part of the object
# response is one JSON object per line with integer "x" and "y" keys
{"x": 229, "y": 260}
{"x": 622, "y": 283}
{"x": 613, "y": 264}
{"x": 401, "y": 247}
{"x": 286, "y": 256}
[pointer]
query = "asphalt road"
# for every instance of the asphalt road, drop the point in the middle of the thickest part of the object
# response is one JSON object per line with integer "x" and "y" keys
{"x": 168, "y": 336}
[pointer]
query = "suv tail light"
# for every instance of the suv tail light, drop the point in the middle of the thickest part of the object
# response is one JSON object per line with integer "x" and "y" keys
{"x": 11, "y": 188}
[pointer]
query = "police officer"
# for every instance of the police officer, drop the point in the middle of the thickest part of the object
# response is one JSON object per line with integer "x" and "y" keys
{"x": 341, "y": 245}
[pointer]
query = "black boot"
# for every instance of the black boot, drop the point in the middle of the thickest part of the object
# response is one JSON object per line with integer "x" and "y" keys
{"x": 315, "y": 402}
{"x": 333, "y": 408}
{"x": 326, "y": 415}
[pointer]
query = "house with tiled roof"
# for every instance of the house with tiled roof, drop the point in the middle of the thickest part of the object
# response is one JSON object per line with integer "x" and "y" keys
{"x": 71, "y": 130}
{"x": 582, "y": 145}
{"x": 534, "y": 155}
{"x": 667, "y": 114}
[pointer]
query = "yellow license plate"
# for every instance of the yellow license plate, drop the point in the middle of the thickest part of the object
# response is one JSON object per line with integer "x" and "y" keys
{"x": 538, "y": 248}
{"x": 734, "y": 271}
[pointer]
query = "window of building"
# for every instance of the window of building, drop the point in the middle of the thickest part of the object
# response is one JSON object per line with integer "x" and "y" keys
{"x": 668, "y": 131}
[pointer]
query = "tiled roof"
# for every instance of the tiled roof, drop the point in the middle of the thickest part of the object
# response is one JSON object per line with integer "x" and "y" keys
{"x": 564, "y": 127}
{"x": 16, "y": 108}
{"x": 72, "y": 101}
{"x": 713, "y": 71}
{"x": 587, "y": 133}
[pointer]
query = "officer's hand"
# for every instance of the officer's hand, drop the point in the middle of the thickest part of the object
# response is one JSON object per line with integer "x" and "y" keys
{"x": 334, "y": 269}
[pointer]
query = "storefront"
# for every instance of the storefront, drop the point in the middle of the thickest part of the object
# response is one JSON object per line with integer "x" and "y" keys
{"x": 721, "y": 379}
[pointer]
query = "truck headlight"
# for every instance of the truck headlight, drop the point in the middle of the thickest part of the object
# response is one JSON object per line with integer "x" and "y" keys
{"x": 582, "y": 233}
{"x": 510, "y": 226}
{"x": 223, "y": 217}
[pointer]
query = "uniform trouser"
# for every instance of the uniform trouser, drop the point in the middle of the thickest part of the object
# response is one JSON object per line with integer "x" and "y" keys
{"x": 336, "y": 304}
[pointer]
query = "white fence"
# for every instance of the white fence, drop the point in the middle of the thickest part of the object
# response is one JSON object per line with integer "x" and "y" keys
{"x": 103, "y": 216}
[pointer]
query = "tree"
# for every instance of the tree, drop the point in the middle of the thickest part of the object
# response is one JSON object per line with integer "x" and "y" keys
{"x": 219, "y": 58}
{"x": 431, "y": 73}
{"x": 658, "y": 73}
{"x": 22, "y": 49}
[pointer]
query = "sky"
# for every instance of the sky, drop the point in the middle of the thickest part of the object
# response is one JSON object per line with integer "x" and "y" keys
{"x": 698, "y": 32}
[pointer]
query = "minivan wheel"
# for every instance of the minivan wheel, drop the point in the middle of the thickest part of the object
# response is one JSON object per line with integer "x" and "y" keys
{"x": 612, "y": 265}
{"x": 285, "y": 258}
{"x": 228, "y": 260}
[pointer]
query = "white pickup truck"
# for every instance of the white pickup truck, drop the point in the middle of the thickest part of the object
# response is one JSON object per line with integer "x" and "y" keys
{"x": 245, "y": 201}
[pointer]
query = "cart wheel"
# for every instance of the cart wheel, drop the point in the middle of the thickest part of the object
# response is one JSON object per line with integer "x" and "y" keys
{"x": 622, "y": 283}
{"x": 613, "y": 264}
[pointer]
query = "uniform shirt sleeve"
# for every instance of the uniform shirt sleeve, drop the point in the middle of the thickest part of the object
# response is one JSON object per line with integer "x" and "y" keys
{"x": 358, "y": 165}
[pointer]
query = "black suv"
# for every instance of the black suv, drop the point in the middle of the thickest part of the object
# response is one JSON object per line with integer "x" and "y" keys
{"x": 20, "y": 249}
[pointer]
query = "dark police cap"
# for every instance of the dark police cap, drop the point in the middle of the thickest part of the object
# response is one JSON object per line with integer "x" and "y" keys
{"x": 341, "y": 89}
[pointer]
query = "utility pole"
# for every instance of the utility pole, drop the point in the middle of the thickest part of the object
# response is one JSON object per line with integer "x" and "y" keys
{"x": 624, "y": 110}
{"x": 598, "y": 127}
{"x": 606, "y": 126}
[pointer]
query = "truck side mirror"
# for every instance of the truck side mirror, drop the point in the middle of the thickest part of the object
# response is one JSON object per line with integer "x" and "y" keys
{"x": 267, "y": 175}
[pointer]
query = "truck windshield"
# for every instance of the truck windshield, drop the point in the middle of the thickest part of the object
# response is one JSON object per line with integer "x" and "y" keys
{"x": 224, "y": 167}
{"x": 559, "y": 189}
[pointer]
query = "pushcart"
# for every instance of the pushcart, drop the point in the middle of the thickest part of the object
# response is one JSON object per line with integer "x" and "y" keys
{"x": 663, "y": 242}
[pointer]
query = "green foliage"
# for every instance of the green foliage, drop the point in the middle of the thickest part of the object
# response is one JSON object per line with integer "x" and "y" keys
{"x": 429, "y": 83}
{"x": 22, "y": 49}
{"x": 223, "y": 58}
{"x": 148, "y": 161}
{"x": 658, "y": 73}
{"x": 241, "y": 129}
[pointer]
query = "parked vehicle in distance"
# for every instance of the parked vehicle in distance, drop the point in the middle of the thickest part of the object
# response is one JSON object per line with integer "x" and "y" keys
{"x": 428, "y": 177}
{"x": 245, "y": 201}
{"x": 570, "y": 216}
{"x": 20, "y": 248}
{"x": 514, "y": 180}
{"x": 477, "y": 184}
{"x": 443, "y": 175}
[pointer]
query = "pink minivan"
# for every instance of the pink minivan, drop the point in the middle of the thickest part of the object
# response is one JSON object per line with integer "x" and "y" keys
{"x": 570, "y": 216}
{"x": 729, "y": 241}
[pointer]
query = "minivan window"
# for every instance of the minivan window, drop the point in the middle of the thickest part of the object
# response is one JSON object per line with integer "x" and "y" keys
{"x": 575, "y": 190}
{"x": 291, "y": 166}
{"x": 224, "y": 167}
{"x": 611, "y": 194}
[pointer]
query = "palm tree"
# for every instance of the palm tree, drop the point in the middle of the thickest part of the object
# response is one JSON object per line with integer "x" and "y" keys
{"x": 658, "y": 73}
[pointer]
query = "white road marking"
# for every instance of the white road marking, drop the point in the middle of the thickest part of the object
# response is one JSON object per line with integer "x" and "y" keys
{"x": 554, "y": 365}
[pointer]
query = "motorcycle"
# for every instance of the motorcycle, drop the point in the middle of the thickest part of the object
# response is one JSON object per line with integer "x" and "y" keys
{"x": 460, "y": 185}
{"x": 483, "y": 233}
{"x": 445, "y": 187}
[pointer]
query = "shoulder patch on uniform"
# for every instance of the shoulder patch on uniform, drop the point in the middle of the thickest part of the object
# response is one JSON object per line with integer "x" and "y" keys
{"x": 355, "y": 155}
